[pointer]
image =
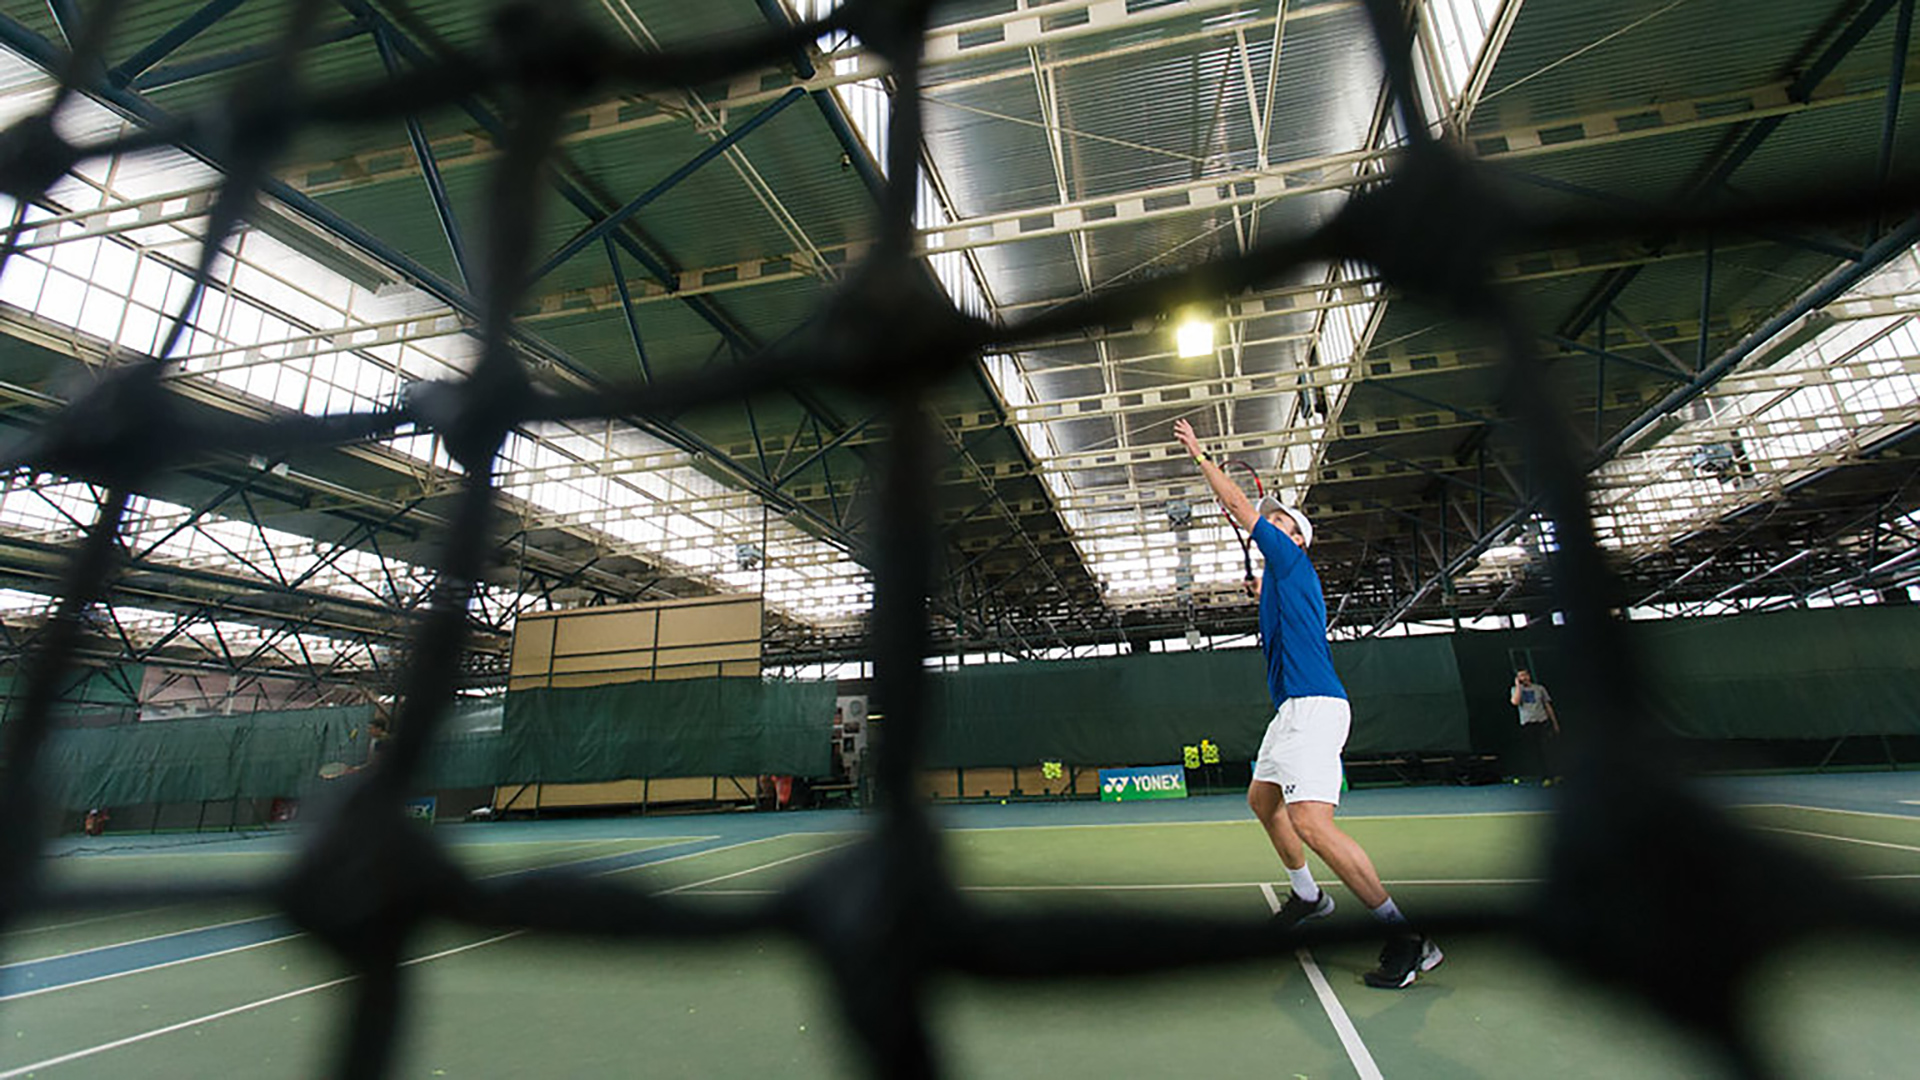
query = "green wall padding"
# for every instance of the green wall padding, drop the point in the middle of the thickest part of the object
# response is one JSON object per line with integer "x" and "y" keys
{"x": 679, "y": 727}
{"x": 1406, "y": 696}
{"x": 695, "y": 727}
{"x": 1824, "y": 673}
{"x": 1817, "y": 674}
{"x": 1142, "y": 709}
{"x": 110, "y": 694}
{"x": 257, "y": 755}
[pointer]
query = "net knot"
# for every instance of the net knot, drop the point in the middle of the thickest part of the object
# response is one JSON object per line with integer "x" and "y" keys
{"x": 1432, "y": 228}
{"x": 32, "y": 157}
{"x": 121, "y": 431}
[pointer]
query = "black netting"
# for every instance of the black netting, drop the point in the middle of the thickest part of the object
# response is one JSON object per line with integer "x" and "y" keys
{"x": 883, "y": 916}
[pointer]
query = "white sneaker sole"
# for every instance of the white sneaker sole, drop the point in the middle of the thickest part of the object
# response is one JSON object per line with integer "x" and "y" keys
{"x": 1430, "y": 957}
{"x": 1321, "y": 912}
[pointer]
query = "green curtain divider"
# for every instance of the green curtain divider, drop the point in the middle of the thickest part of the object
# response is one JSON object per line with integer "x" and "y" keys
{"x": 1820, "y": 674}
{"x": 677, "y": 727}
{"x": 105, "y": 695}
{"x": 467, "y": 760}
{"x": 256, "y": 755}
{"x": 1142, "y": 709}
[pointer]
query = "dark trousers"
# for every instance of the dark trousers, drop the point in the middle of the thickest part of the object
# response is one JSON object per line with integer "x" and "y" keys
{"x": 1537, "y": 756}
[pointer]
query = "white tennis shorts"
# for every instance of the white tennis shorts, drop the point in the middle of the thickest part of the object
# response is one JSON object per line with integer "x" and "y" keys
{"x": 1301, "y": 751}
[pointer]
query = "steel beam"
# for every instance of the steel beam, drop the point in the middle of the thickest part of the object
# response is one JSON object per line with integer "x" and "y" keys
{"x": 1902, "y": 34}
{"x": 39, "y": 51}
{"x": 1603, "y": 353}
{"x": 614, "y": 220}
{"x": 1830, "y": 288}
{"x": 219, "y": 63}
{"x": 626, "y": 309}
{"x": 67, "y": 18}
{"x": 423, "y": 153}
{"x": 1833, "y": 286}
{"x": 164, "y": 45}
{"x": 1799, "y": 91}
{"x": 1435, "y": 403}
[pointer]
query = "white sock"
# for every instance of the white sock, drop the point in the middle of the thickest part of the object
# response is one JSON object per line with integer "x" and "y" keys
{"x": 1389, "y": 914}
{"x": 1302, "y": 882}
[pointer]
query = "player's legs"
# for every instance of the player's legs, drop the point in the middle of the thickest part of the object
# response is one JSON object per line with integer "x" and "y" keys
{"x": 1305, "y": 761}
{"x": 1266, "y": 795}
{"x": 1301, "y": 754}
{"x": 1313, "y": 823}
{"x": 1270, "y": 809}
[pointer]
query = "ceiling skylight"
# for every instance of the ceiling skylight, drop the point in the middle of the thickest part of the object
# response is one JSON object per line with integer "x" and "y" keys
{"x": 109, "y": 255}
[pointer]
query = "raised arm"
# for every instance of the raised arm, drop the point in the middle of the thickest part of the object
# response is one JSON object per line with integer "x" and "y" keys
{"x": 1225, "y": 490}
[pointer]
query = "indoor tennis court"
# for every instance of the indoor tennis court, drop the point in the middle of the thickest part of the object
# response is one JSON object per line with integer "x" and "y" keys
{"x": 178, "y": 992}
{"x": 873, "y": 537}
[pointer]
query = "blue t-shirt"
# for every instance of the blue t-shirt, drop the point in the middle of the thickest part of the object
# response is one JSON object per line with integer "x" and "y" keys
{"x": 1293, "y": 621}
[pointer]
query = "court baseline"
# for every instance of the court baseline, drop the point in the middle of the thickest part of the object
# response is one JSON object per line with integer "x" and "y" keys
{"x": 183, "y": 1025}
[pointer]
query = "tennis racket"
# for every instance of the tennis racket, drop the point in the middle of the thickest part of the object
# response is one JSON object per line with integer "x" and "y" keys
{"x": 1247, "y": 479}
{"x": 334, "y": 770}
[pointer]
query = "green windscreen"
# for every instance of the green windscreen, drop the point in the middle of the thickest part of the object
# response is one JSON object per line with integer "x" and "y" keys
{"x": 694, "y": 727}
{"x": 679, "y": 727}
{"x": 202, "y": 759}
{"x": 1143, "y": 708}
{"x": 1788, "y": 674}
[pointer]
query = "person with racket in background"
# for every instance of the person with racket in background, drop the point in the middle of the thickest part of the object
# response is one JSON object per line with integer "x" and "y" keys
{"x": 1296, "y": 776}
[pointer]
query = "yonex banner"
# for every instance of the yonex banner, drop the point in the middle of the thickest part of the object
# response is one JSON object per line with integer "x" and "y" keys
{"x": 1152, "y": 782}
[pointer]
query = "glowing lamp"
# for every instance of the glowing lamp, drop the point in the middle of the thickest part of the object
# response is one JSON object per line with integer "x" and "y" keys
{"x": 1193, "y": 338}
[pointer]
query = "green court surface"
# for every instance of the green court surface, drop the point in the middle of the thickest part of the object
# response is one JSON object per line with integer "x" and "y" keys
{"x": 195, "y": 991}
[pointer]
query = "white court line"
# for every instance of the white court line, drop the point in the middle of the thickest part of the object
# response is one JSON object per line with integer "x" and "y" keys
{"x": 754, "y": 869}
{"x": 196, "y": 958}
{"x": 1345, "y": 819}
{"x": 1336, "y": 1013}
{"x": 256, "y": 918}
{"x": 597, "y": 858}
{"x": 727, "y": 847}
{"x": 1172, "y": 887}
{"x": 250, "y": 1006}
{"x": 136, "y": 941}
{"x": 1177, "y": 887}
{"x": 482, "y": 845}
{"x": 289, "y": 995}
{"x": 144, "y": 969}
{"x": 1182, "y": 887}
{"x": 651, "y": 844}
{"x": 1429, "y": 882}
{"x": 1840, "y": 839}
{"x": 76, "y": 923}
{"x": 1831, "y": 809}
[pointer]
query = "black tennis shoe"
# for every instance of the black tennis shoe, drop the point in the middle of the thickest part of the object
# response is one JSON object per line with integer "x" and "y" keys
{"x": 1296, "y": 911}
{"x": 1402, "y": 961}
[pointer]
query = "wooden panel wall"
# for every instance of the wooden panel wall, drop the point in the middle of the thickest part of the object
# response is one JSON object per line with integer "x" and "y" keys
{"x": 675, "y": 639}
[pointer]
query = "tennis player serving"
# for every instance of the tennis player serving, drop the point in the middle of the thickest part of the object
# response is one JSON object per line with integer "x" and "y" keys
{"x": 1296, "y": 777}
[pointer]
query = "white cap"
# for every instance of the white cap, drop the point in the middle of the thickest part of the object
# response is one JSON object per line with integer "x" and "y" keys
{"x": 1268, "y": 504}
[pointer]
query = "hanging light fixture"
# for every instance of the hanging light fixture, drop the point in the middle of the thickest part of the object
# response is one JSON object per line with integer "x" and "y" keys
{"x": 1193, "y": 336}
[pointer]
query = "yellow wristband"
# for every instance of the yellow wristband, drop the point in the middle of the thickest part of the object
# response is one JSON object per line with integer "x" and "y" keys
{"x": 1199, "y": 459}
